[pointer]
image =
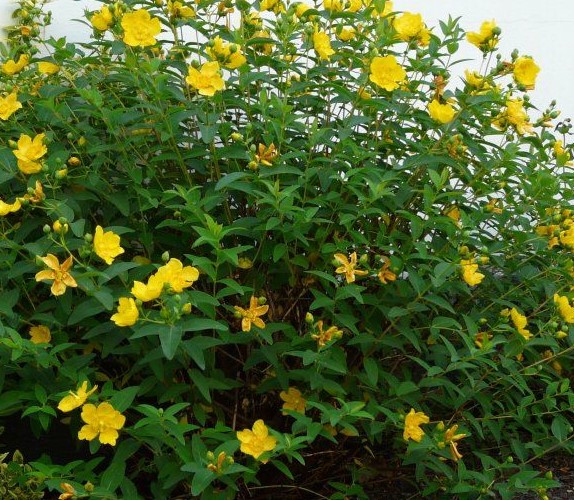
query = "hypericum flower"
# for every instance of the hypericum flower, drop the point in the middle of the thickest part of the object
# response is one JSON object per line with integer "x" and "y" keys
{"x": 334, "y": 5}
{"x": 275, "y": 5}
{"x": 69, "y": 491}
{"x": 29, "y": 152}
{"x": 481, "y": 338}
{"x": 520, "y": 323}
{"x": 207, "y": 80}
{"x": 228, "y": 54}
{"x": 58, "y": 273}
{"x": 486, "y": 38}
{"x": 346, "y": 33}
{"x": 103, "y": 19}
{"x": 322, "y": 45}
{"x": 149, "y": 291}
{"x": 252, "y": 19}
{"x": 377, "y": 11}
{"x": 348, "y": 267}
{"x": 8, "y": 208}
{"x": 264, "y": 47}
{"x": 514, "y": 115}
{"x": 385, "y": 274}
{"x": 412, "y": 425}
{"x": 565, "y": 308}
{"x": 525, "y": 71}
{"x": 476, "y": 81}
{"x": 107, "y": 245}
{"x": 301, "y": 8}
{"x": 140, "y": 29}
{"x": 103, "y": 422}
{"x": 410, "y": 27}
{"x": 40, "y": 334}
{"x": 387, "y": 73}
{"x": 562, "y": 156}
{"x": 324, "y": 336}
{"x": 451, "y": 438}
{"x": 177, "y": 276}
{"x": 443, "y": 113}
{"x": 48, "y": 68}
{"x": 9, "y": 105}
{"x": 567, "y": 237}
{"x": 76, "y": 399}
{"x": 494, "y": 206}
{"x": 179, "y": 11}
{"x": 11, "y": 67}
{"x": 293, "y": 400}
{"x": 257, "y": 441}
{"x": 470, "y": 272}
{"x": 127, "y": 314}
{"x": 251, "y": 316}
{"x": 266, "y": 155}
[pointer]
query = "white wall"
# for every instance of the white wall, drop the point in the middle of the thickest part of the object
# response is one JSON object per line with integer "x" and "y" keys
{"x": 544, "y": 30}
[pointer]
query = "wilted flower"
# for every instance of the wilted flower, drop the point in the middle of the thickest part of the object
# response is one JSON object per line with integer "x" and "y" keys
{"x": 293, "y": 400}
{"x": 40, "y": 334}
{"x": 324, "y": 336}
{"x": 348, "y": 267}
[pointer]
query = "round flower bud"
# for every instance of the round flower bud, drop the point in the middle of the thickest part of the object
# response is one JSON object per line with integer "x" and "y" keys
{"x": 88, "y": 238}
{"x": 186, "y": 308}
{"x": 47, "y": 229}
{"x": 510, "y": 459}
{"x": 261, "y": 300}
{"x": 165, "y": 256}
{"x": 74, "y": 161}
{"x": 61, "y": 174}
{"x": 309, "y": 318}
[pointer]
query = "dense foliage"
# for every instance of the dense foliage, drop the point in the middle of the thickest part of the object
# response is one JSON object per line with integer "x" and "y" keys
{"x": 269, "y": 248}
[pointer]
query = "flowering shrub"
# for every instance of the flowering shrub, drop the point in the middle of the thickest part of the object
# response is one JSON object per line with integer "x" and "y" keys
{"x": 241, "y": 238}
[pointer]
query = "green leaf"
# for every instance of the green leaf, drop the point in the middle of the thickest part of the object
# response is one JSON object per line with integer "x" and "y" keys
{"x": 170, "y": 339}
{"x": 123, "y": 399}
{"x": 229, "y": 179}
{"x": 201, "y": 480}
{"x": 89, "y": 307}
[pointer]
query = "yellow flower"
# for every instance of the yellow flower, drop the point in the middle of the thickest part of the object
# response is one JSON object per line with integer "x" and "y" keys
{"x": 127, "y": 314}
{"x": 107, "y": 245}
{"x": 525, "y": 71}
{"x": 481, "y": 338}
{"x": 76, "y": 399}
{"x": 354, "y": 5}
{"x": 8, "y": 208}
{"x": 266, "y": 155}
{"x": 103, "y": 422}
{"x": 140, "y": 29}
{"x": 387, "y": 73}
{"x": 443, "y": 113}
{"x": 40, "y": 334}
{"x": 177, "y": 276}
{"x": 560, "y": 154}
{"x": 334, "y": 5}
{"x": 385, "y": 274}
{"x": 514, "y": 115}
{"x": 48, "y": 68}
{"x": 275, "y": 5}
{"x": 520, "y": 323}
{"x": 9, "y": 105}
{"x": 252, "y": 19}
{"x": 322, "y": 45}
{"x": 470, "y": 272}
{"x": 69, "y": 491}
{"x": 564, "y": 307}
{"x": 411, "y": 27}
{"x": 567, "y": 237}
{"x": 58, "y": 273}
{"x": 251, "y": 316}
{"x": 29, "y": 151}
{"x": 293, "y": 400}
{"x": 228, "y": 54}
{"x": 301, "y": 8}
{"x": 486, "y": 38}
{"x": 150, "y": 291}
{"x": 103, "y": 19}
{"x": 178, "y": 10}
{"x": 257, "y": 441}
{"x": 412, "y": 425}
{"x": 207, "y": 81}
{"x": 386, "y": 11}
{"x": 451, "y": 438}
{"x": 346, "y": 34}
{"x": 348, "y": 267}
{"x": 265, "y": 48}
{"x": 324, "y": 336}
{"x": 11, "y": 68}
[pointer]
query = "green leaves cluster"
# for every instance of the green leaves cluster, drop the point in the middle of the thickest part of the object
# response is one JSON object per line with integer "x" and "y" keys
{"x": 259, "y": 187}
